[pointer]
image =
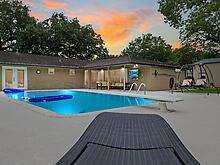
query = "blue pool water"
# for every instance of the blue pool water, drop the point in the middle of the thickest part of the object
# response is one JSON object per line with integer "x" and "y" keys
{"x": 81, "y": 102}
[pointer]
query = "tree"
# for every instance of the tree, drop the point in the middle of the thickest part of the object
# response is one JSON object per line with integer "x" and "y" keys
{"x": 189, "y": 55}
{"x": 186, "y": 55}
{"x": 149, "y": 47}
{"x": 61, "y": 36}
{"x": 56, "y": 36}
{"x": 197, "y": 20}
{"x": 14, "y": 18}
{"x": 33, "y": 40}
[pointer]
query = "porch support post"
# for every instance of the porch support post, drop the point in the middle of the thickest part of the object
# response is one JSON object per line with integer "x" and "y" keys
{"x": 89, "y": 78}
{"x": 108, "y": 77}
{"x": 124, "y": 77}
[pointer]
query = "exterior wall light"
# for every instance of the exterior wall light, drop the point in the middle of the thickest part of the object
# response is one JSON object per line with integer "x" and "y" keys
{"x": 38, "y": 71}
{"x": 135, "y": 66}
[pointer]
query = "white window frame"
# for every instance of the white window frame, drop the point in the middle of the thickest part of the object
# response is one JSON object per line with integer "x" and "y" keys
{"x": 72, "y": 72}
{"x": 15, "y": 76}
{"x": 51, "y": 71}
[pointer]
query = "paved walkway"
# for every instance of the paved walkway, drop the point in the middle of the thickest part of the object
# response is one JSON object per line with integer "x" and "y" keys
{"x": 29, "y": 137}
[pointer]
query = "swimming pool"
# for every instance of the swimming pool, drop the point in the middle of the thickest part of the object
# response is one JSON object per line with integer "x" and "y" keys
{"x": 81, "y": 102}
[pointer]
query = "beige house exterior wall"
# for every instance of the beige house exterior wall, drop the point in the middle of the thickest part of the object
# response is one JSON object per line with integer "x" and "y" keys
{"x": 60, "y": 80}
{"x": 144, "y": 73}
{"x": 63, "y": 80}
{"x": 159, "y": 82}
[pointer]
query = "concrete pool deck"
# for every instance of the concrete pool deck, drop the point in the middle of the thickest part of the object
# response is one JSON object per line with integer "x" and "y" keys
{"x": 28, "y": 137}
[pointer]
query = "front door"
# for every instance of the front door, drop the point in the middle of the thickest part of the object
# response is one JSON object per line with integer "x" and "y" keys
{"x": 14, "y": 77}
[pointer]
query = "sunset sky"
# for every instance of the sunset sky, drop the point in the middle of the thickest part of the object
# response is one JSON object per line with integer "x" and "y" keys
{"x": 118, "y": 21}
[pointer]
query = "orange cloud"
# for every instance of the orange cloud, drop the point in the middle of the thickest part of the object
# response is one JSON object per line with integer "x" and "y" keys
{"x": 144, "y": 26}
{"x": 116, "y": 26}
{"x": 53, "y": 4}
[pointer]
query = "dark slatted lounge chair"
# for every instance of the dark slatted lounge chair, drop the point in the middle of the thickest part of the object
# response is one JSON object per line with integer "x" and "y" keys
{"x": 128, "y": 139}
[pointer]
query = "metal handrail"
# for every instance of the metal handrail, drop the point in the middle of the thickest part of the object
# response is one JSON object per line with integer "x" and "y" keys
{"x": 145, "y": 88}
{"x": 132, "y": 85}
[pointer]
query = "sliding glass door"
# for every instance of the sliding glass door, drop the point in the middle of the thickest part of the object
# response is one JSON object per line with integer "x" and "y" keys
{"x": 14, "y": 77}
{"x": 20, "y": 78}
{"x": 9, "y": 83}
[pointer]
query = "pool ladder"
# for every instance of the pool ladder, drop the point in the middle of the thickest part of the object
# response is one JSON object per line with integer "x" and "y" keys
{"x": 132, "y": 85}
{"x": 139, "y": 88}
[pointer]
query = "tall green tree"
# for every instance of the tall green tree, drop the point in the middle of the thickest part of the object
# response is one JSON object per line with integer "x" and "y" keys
{"x": 189, "y": 55}
{"x": 61, "y": 36}
{"x": 14, "y": 18}
{"x": 33, "y": 40}
{"x": 149, "y": 47}
{"x": 186, "y": 55}
{"x": 197, "y": 20}
{"x": 56, "y": 36}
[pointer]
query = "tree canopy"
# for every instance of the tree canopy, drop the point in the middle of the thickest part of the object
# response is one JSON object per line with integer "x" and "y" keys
{"x": 59, "y": 35}
{"x": 197, "y": 20}
{"x": 56, "y": 36}
{"x": 149, "y": 47}
{"x": 186, "y": 55}
{"x": 14, "y": 18}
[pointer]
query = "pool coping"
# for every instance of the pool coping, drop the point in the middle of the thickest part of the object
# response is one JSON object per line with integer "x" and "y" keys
{"x": 45, "y": 112}
{"x": 129, "y": 94}
{"x": 122, "y": 93}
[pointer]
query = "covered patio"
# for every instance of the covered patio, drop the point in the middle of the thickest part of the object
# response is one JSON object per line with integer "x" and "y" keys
{"x": 121, "y": 72}
{"x": 109, "y": 77}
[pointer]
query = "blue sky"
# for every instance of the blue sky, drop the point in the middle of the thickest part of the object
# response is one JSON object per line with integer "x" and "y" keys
{"x": 118, "y": 21}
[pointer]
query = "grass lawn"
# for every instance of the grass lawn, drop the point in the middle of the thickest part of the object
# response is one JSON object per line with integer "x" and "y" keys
{"x": 203, "y": 90}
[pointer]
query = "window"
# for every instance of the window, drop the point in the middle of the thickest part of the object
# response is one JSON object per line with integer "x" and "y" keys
{"x": 8, "y": 78}
{"x": 20, "y": 79}
{"x": 51, "y": 71}
{"x": 72, "y": 72}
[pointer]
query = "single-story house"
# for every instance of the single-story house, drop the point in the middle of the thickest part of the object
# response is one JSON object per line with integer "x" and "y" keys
{"x": 29, "y": 71}
{"x": 210, "y": 67}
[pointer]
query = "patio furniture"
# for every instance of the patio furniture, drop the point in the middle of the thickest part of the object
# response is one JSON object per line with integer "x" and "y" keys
{"x": 128, "y": 139}
{"x": 186, "y": 84}
{"x": 101, "y": 85}
{"x": 112, "y": 85}
{"x": 200, "y": 83}
{"x": 119, "y": 85}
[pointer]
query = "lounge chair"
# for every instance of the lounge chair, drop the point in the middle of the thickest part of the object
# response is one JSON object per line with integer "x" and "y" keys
{"x": 200, "y": 83}
{"x": 187, "y": 83}
{"x": 128, "y": 139}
